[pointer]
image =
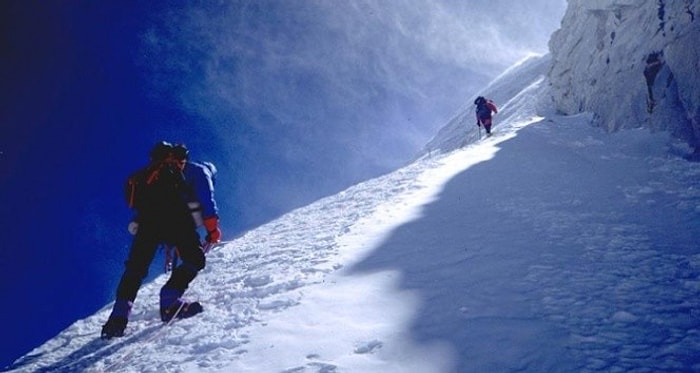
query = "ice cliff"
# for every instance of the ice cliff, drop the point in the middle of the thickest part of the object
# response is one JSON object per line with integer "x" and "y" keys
{"x": 629, "y": 63}
{"x": 633, "y": 63}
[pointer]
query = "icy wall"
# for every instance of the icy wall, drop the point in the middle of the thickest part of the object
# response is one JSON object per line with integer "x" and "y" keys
{"x": 634, "y": 63}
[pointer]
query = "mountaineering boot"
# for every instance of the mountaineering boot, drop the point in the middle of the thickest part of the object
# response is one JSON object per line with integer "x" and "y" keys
{"x": 117, "y": 320}
{"x": 114, "y": 327}
{"x": 187, "y": 309}
{"x": 172, "y": 306}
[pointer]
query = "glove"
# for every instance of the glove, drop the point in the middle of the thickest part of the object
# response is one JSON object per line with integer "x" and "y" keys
{"x": 213, "y": 231}
{"x": 133, "y": 228}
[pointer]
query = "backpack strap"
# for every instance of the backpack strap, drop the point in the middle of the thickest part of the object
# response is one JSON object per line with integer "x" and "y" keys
{"x": 138, "y": 180}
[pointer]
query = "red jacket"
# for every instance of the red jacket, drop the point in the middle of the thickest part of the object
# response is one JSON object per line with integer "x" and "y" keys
{"x": 485, "y": 112}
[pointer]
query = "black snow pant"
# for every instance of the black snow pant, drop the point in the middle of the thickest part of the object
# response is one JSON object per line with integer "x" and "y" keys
{"x": 146, "y": 242}
{"x": 486, "y": 122}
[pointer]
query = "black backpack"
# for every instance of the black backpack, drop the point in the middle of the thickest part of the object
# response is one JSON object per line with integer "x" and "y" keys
{"x": 160, "y": 187}
{"x": 482, "y": 109}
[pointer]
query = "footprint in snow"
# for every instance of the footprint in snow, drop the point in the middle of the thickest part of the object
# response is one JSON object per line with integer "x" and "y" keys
{"x": 324, "y": 368}
{"x": 368, "y": 347}
{"x": 316, "y": 367}
{"x": 257, "y": 281}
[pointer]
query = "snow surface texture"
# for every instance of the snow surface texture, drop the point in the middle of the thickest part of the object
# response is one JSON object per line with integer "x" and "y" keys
{"x": 602, "y": 50}
{"x": 550, "y": 247}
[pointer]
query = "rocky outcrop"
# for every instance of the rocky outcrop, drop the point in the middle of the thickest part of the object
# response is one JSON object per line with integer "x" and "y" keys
{"x": 634, "y": 63}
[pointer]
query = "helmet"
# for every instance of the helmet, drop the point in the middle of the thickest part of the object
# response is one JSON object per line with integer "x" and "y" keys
{"x": 479, "y": 100}
{"x": 161, "y": 150}
{"x": 180, "y": 152}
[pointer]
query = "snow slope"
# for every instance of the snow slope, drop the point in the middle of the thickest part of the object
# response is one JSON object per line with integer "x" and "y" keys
{"x": 518, "y": 93}
{"x": 550, "y": 247}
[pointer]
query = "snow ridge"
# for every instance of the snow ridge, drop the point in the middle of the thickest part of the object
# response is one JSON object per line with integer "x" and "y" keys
{"x": 260, "y": 273}
{"x": 550, "y": 246}
{"x": 510, "y": 91}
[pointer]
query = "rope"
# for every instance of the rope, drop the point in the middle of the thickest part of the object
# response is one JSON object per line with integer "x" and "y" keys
{"x": 206, "y": 247}
{"x": 151, "y": 338}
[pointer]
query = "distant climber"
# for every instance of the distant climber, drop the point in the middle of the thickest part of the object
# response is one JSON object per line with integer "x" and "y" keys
{"x": 484, "y": 109}
{"x": 654, "y": 64}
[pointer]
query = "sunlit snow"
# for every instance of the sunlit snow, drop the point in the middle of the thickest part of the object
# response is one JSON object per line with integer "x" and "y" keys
{"x": 549, "y": 247}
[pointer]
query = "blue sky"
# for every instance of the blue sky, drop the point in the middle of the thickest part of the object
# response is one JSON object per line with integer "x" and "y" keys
{"x": 292, "y": 100}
